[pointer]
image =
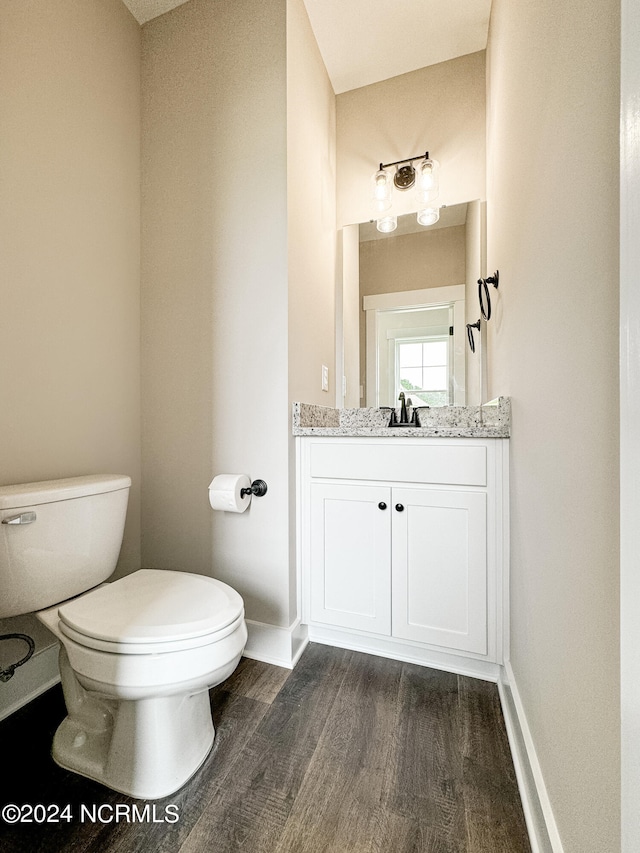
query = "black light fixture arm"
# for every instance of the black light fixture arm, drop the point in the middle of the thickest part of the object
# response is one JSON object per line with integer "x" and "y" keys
{"x": 424, "y": 156}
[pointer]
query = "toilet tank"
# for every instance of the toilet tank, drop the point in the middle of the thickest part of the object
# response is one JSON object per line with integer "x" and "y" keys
{"x": 58, "y": 538}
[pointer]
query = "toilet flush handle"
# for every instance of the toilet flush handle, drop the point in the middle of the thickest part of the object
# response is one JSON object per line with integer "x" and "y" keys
{"x": 23, "y": 518}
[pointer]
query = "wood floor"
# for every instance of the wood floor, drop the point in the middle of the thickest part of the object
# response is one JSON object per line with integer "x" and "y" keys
{"x": 348, "y": 753}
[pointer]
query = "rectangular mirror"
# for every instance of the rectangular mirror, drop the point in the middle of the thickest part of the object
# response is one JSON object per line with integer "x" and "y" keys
{"x": 416, "y": 290}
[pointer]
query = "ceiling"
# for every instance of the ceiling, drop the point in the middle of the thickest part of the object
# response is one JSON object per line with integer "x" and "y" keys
{"x": 365, "y": 41}
{"x": 145, "y": 10}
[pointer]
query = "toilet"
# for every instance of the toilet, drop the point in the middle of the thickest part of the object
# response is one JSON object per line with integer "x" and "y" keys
{"x": 137, "y": 656}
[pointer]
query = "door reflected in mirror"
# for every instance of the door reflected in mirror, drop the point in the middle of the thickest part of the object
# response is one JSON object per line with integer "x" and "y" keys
{"x": 414, "y": 347}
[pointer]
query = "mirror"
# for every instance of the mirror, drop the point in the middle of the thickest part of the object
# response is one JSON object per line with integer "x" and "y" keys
{"x": 416, "y": 290}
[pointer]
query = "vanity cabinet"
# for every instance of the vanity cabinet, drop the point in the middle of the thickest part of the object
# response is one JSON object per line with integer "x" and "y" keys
{"x": 401, "y": 544}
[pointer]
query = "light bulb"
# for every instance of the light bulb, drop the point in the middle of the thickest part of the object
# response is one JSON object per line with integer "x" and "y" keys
{"x": 387, "y": 224}
{"x": 428, "y": 181}
{"x": 428, "y": 216}
{"x": 381, "y": 191}
{"x": 426, "y": 177}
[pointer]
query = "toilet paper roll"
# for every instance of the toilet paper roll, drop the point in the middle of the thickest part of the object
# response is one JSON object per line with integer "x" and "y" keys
{"x": 224, "y": 492}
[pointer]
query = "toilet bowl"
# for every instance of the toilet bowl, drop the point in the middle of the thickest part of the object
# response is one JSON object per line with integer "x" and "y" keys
{"x": 137, "y": 656}
{"x": 137, "y": 659}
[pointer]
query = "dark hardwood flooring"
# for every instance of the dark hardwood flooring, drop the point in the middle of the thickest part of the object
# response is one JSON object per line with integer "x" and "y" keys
{"x": 348, "y": 753}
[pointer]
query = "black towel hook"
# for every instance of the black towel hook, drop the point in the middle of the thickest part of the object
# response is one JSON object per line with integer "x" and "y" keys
{"x": 483, "y": 287}
{"x": 470, "y": 328}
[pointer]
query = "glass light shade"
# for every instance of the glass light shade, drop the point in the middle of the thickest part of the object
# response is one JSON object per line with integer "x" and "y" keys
{"x": 427, "y": 180}
{"x": 428, "y": 216}
{"x": 381, "y": 186}
{"x": 387, "y": 224}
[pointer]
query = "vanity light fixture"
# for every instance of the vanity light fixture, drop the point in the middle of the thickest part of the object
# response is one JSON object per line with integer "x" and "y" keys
{"x": 425, "y": 178}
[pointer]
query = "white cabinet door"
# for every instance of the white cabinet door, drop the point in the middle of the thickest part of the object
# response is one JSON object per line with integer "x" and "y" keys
{"x": 440, "y": 568}
{"x": 350, "y": 556}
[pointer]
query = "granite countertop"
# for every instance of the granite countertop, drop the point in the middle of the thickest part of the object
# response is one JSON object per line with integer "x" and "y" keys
{"x": 492, "y": 420}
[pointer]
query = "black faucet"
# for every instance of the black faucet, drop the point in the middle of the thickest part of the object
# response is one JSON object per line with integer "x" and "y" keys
{"x": 404, "y": 414}
{"x": 404, "y": 421}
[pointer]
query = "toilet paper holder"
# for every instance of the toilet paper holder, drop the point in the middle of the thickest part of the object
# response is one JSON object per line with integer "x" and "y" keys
{"x": 258, "y": 488}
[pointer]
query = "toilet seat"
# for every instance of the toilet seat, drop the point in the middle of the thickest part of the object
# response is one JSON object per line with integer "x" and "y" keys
{"x": 150, "y": 648}
{"x": 152, "y": 611}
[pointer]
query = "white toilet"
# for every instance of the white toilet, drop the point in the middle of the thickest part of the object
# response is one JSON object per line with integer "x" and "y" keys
{"x": 138, "y": 655}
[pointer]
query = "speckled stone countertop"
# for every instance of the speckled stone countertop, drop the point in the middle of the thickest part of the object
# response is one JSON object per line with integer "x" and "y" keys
{"x": 492, "y": 420}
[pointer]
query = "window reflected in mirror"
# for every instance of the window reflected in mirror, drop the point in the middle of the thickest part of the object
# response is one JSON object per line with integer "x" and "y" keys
{"x": 423, "y": 370}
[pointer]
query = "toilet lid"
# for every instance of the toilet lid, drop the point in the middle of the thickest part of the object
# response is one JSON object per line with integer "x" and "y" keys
{"x": 153, "y": 605}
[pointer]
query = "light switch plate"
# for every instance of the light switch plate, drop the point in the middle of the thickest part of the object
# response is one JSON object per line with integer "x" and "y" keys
{"x": 325, "y": 377}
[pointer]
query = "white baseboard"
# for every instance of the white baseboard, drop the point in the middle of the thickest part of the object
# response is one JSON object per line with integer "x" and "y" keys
{"x": 275, "y": 645}
{"x": 404, "y": 651}
{"x": 37, "y": 675}
{"x": 541, "y": 824}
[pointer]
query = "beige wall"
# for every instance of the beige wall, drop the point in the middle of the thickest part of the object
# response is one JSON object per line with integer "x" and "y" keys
{"x": 214, "y": 293}
{"x": 552, "y": 207}
{"x": 311, "y": 203}
{"x": 440, "y": 109}
{"x": 413, "y": 261}
{"x": 70, "y": 242}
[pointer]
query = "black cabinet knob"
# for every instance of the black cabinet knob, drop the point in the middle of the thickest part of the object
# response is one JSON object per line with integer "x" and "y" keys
{"x": 399, "y": 507}
{"x": 382, "y": 505}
